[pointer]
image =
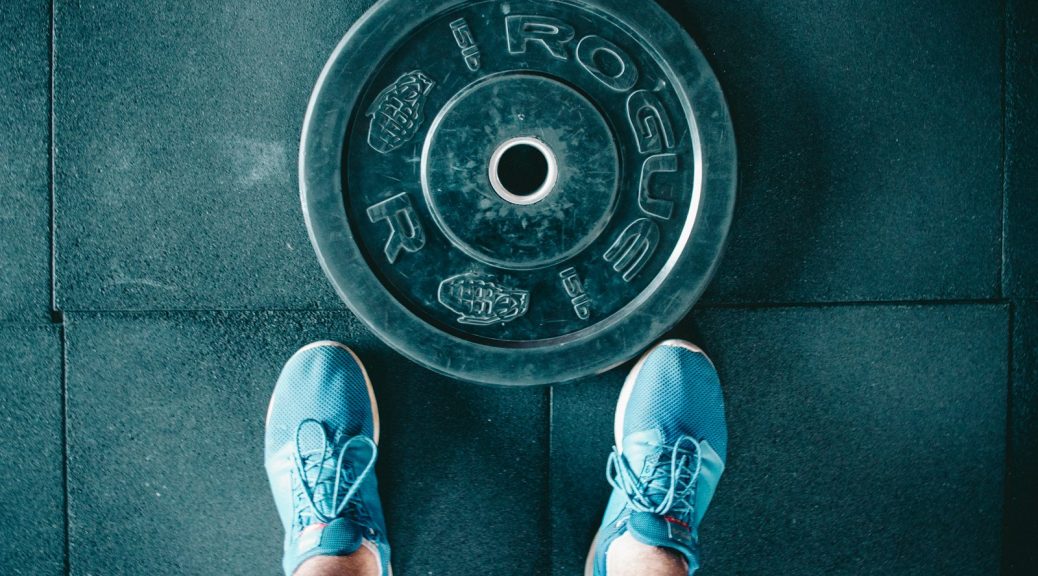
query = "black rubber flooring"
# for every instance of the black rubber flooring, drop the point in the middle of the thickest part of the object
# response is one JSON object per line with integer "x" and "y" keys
{"x": 875, "y": 320}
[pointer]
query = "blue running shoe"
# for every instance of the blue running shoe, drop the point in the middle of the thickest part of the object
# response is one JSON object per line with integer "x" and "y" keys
{"x": 671, "y": 439}
{"x": 322, "y": 441}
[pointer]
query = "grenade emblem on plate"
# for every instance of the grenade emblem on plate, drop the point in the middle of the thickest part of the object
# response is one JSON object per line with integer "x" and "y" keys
{"x": 397, "y": 112}
{"x": 479, "y": 301}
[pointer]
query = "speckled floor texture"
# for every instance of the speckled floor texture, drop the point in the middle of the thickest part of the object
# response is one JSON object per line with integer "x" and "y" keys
{"x": 875, "y": 320}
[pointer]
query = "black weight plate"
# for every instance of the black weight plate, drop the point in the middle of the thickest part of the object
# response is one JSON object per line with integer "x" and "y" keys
{"x": 518, "y": 192}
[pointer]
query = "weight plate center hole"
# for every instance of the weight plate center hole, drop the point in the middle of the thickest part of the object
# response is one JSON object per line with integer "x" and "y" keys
{"x": 523, "y": 170}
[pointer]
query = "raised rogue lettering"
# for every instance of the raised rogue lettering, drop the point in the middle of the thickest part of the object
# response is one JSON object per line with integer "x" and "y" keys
{"x": 634, "y": 247}
{"x": 593, "y": 50}
{"x": 652, "y": 204}
{"x": 405, "y": 231}
{"x": 649, "y": 120}
{"x": 551, "y": 33}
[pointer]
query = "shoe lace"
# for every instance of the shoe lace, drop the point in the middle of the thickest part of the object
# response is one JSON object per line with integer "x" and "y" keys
{"x": 669, "y": 489}
{"x": 313, "y": 473}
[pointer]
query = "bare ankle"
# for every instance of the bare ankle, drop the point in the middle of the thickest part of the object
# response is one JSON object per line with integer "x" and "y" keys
{"x": 629, "y": 557}
{"x": 361, "y": 563}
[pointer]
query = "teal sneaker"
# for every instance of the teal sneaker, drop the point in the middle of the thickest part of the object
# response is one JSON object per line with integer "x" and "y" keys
{"x": 322, "y": 441}
{"x": 671, "y": 438}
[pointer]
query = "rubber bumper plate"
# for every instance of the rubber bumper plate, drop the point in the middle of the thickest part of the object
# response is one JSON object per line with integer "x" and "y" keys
{"x": 518, "y": 192}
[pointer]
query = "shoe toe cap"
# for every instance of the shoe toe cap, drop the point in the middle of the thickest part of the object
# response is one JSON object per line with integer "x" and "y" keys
{"x": 325, "y": 382}
{"x": 677, "y": 391}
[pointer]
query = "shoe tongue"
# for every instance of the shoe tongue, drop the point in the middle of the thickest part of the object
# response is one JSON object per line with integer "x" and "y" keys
{"x": 341, "y": 536}
{"x": 652, "y": 456}
{"x": 324, "y": 487}
{"x": 664, "y": 531}
{"x": 336, "y": 538}
{"x": 657, "y": 465}
{"x": 322, "y": 475}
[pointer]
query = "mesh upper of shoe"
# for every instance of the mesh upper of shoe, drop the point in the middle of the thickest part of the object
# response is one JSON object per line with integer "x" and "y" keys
{"x": 322, "y": 383}
{"x": 678, "y": 393}
{"x": 319, "y": 451}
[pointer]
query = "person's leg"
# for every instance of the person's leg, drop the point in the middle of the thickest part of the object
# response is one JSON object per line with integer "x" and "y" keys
{"x": 361, "y": 563}
{"x": 321, "y": 446}
{"x": 671, "y": 440}
{"x": 629, "y": 557}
